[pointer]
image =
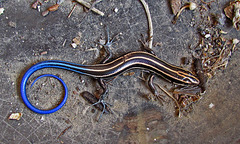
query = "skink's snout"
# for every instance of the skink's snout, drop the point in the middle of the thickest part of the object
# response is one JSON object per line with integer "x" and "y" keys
{"x": 189, "y": 78}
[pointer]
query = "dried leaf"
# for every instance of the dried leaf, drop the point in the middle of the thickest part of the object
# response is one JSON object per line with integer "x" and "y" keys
{"x": 1, "y": 10}
{"x": 54, "y": 7}
{"x": 229, "y": 11}
{"x": 233, "y": 12}
{"x": 236, "y": 18}
{"x": 12, "y": 24}
{"x": 76, "y": 40}
{"x": 36, "y": 4}
{"x": 15, "y": 116}
{"x": 176, "y": 6}
{"x": 45, "y": 13}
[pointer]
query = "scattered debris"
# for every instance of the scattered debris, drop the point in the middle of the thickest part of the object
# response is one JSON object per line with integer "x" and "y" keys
{"x": 191, "y": 6}
{"x": 64, "y": 42}
{"x": 236, "y": 18}
{"x": 86, "y": 4}
{"x": 76, "y": 41}
{"x": 235, "y": 41}
{"x": 211, "y": 105}
{"x": 115, "y": 10}
{"x": 102, "y": 42}
{"x": 39, "y": 8}
{"x": 207, "y": 36}
{"x": 69, "y": 15}
{"x": 50, "y": 9}
{"x": 128, "y": 73}
{"x": 43, "y": 53}
{"x": 178, "y": 109}
{"x": 73, "y": 45}
{"x": 42, "y": 118}
{"x": 214, "y": 51}
{"x": 45, "y": 13}
{"x": 223, "y": 32}
{"x": 36, "y": 4}
{"x": 53, "y": 7}
{"x": 74, "y": 92}
{"x": 90, "y": 9}
{"x": 1, "y": 11}
{"x": 15, "y": 116}
{"x": 12, "y": 24}
{"x": 186, "y": 96}
{"x": 64, "y": 131}
{"x": 233, "y": 12}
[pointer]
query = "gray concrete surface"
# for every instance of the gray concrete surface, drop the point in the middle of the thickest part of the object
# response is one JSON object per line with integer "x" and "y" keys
{"x": 25, "y": 34}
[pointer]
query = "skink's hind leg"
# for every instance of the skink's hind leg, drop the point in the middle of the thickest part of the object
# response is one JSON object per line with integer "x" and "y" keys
{"x": 153, "y": 89}
{"x": 93, "y": 99}
{"x": 106, "y": 106}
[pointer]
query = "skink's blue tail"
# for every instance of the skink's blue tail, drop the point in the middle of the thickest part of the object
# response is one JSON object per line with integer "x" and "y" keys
{"x": 23, "y": 89}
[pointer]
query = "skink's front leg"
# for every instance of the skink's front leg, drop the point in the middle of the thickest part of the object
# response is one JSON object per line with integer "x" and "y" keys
{"x": 107, "y": 47}
{"x": 101, "y": 81}
{"x": 153, "y": 88}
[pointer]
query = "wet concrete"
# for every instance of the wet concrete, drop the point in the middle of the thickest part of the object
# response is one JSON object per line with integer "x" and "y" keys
{"x": 27, "y": 38}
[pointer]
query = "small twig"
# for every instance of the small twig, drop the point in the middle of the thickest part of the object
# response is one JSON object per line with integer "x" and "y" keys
{"x": 64, "y": 42}
{"x": 64, "y": 131}
{"x": 150, "y": 26}
{"x": 207, "y": 3}
{"x": 220, "y": 57}
{"x": 109, "y": 82}
{"x": 69, "y": 15}
{"x": 86, "y": 4}
{"x": 221, "y": 65}
{"x": 92, "y": 6}
{"x": 235, "y": 42}
{"x": 167, "y": 93}
{"x": 92, "y": 49}
{"x": 191, "y": 6}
